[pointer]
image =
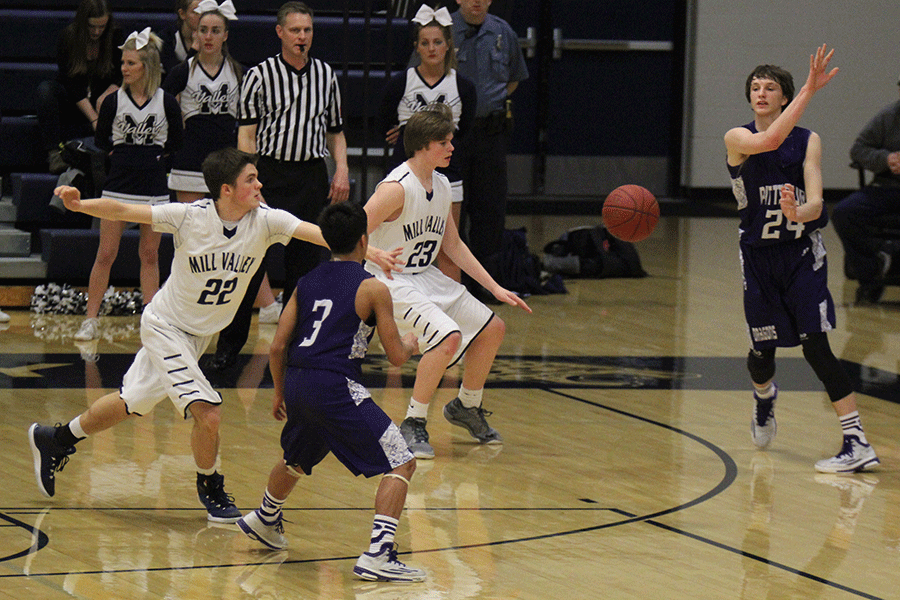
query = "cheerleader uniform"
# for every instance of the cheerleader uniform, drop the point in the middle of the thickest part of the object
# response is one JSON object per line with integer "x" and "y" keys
{"x": 407, "y": 93}
{"x": 209, "y": 107}
{"x": 138, "y": 139}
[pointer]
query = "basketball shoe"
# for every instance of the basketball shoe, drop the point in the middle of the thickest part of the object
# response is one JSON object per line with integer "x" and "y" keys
{"x": 472, "y": 419}
{"x": 763, "y": 426}
{"x": 385, "y": 566}
{"x": 219, "y": 505}
{"x": 854, "y": 456}
{"x": 416, "y": 436}
{"x": 49, "y": 456}
{"x": 271, "y": 536}
{"x": 89, "y": 330}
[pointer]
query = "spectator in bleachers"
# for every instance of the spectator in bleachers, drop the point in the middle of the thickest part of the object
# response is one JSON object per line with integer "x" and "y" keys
{"x": 139, "y": 125}
{"x": 88, "y": 56}
{"x": 876, "y": 149}
{"x": 181, "y": 41}
{"x": 434, "y": 80}
{"x": 207, "y": 86}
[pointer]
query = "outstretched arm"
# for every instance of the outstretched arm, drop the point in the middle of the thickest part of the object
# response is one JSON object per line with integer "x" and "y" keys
{"x": 104, "y": 208}
{"x": 374, "y": 296}
{"x": 741, "y": 143}
{"x": 278, "y": 355}
{"x": 460, "y": 254}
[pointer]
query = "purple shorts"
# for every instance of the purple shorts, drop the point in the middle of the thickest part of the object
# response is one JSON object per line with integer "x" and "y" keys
{"x": 327, "y": 412}
{"x": 786, "y": 291}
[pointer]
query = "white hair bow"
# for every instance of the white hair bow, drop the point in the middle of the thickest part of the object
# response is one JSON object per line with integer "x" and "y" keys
{"x": 226, "y": 8}
{"x": 426, "y": 15}
{"x": 140, "y": 39}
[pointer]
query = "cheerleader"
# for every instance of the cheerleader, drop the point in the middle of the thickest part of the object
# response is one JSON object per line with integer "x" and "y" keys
{"x": 180, "y": 41}
{"x": 434, "y": 80}
{"x": 207, "y": 86}
{"x": 139, "y": 126}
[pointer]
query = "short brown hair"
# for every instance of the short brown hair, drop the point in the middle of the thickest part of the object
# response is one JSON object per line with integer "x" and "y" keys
{"x": 293, "y": 7}
{"x": 776, "y": 74}
{"x": 431, "y": 124}
{"x": 223, "y": 167}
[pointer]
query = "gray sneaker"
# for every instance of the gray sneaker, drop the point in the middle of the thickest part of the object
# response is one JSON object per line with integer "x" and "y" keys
{"x": 763, "y": 426}
{"x": 853, "y": 457}
{"x": 416, "y": 436}
{"x": 271, "y": 536}
{"x": 386, "y": 567}
{"x": 472, "y": 419}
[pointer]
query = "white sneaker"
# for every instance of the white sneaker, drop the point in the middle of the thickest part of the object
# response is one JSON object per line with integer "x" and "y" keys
{"x": 271, "y": 536}
{"x": 854, "y": 456}
{"x": 762, "y": 425}
{"x": 4, "y": 318}
{"x": 386, "y": 567}
{"x": 89, "y": 330}
{"x": 270, "y": 313}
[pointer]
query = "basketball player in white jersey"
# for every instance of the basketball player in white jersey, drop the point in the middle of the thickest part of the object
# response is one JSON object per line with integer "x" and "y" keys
{"x": 410, "y": 210}
{"x": 218, "y": 246}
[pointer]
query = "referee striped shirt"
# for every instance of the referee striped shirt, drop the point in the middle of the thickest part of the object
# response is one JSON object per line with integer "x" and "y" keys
{"x": 293, "y": 110}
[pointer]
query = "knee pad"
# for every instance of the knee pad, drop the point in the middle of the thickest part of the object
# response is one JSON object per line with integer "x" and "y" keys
{"x": 761, "y": 364}
{"x": 395, "y": 476}
{"x": 817, "y": 352}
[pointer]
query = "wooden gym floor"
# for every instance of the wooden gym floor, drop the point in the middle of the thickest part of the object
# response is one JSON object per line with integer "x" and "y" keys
{"x": 627, "y": 470}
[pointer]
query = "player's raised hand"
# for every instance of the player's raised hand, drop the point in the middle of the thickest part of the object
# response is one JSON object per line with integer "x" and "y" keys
{"x": 819, "y": 75}
{"x": 70, "y": 196}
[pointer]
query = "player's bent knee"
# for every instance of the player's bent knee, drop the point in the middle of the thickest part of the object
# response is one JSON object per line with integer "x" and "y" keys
{"x": 817, "y": 352}
{"x": 450, "y": 344}
{"x": 208, "y": 416}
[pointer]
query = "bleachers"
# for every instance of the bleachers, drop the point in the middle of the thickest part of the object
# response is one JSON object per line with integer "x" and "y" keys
{"x": 29, "y": 32}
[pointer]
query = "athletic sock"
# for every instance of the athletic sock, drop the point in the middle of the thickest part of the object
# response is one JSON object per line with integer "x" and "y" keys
{"x": 851, "y": 425}
{"x": 765, "y": 393}
{"x": 383, "y": 530}
{"x": 70, "y": 434}
{"x": 270, "y": 509}
{"x": 416, "y": 409}
{"x": 470, "y": 398}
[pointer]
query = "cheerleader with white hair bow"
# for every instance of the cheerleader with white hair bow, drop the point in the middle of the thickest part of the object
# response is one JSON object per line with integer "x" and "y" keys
{"x": 207, "y": 85}
{"x": 434, "y": 80}
{"x": 139, "y": 125}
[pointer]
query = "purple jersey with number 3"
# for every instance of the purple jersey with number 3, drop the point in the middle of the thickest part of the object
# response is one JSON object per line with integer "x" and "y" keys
{"x": 756, "y": 184}
{"x": 329, "y": 335}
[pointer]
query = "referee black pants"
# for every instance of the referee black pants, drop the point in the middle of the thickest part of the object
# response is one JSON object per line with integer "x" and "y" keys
{"x": 301, "y": 188}
{"x": 483, "y": 168}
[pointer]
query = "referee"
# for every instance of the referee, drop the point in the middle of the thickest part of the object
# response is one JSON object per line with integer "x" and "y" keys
{"x": 289, "y": 114}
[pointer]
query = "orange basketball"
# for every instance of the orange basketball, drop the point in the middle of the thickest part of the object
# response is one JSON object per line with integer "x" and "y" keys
{"x": 630, "y": 212}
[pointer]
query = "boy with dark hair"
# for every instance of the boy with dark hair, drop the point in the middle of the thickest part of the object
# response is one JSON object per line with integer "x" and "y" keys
{"x": 776, "y": 175}
{"x": 316, "y": 359}
{"x": 218, "y": 244}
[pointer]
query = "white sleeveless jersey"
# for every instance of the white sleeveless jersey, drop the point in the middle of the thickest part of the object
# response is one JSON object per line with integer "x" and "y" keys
{"x": 205, "y": 95}
{"x": 419, "y": 229}
{"x": 212, "y": 266}
{"x": 140, "y": 126}
{"x": 419, "y": 94}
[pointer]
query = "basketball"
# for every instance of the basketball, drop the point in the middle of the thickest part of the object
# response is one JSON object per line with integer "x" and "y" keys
{"x": 630, "y": 212}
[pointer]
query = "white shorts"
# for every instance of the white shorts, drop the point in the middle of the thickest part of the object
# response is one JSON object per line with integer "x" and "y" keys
{"x": 433, "y": 306}
{"x": 187, "y": 181}
{"x": 167, "y": 364}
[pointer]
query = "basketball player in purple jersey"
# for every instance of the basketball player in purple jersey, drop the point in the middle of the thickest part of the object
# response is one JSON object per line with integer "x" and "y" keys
{"x": 316, "y": 360}
{"x": 776, "y": 177}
